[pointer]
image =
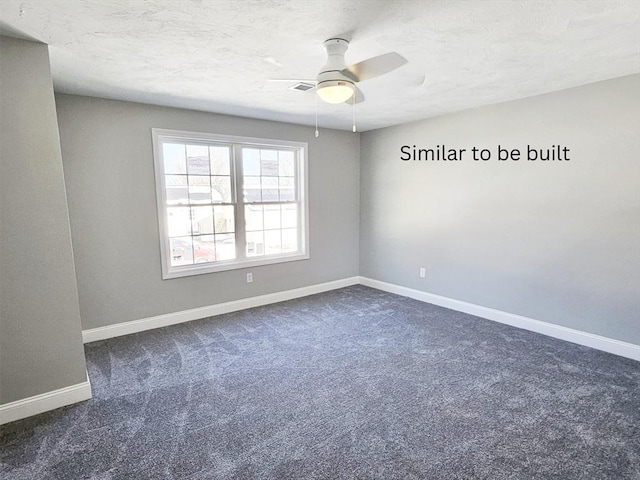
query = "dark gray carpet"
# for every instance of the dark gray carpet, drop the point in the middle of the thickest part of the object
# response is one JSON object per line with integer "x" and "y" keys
{"x": 350, "y": 384}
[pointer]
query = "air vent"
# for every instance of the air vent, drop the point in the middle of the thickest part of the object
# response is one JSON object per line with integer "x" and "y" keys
{"x": 302, "y": 86}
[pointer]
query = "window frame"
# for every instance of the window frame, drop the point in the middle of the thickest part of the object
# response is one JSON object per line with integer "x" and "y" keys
{"x": 235, "y": 143}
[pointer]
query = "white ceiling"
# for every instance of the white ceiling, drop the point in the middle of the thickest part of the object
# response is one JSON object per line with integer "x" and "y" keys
{"x": 217, "y": 55}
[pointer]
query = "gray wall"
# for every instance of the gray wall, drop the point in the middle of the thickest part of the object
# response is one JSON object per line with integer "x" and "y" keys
{"x": 557, "y": 242}
{"x": 40, "y": 334}
{"x": 108, "y": 163}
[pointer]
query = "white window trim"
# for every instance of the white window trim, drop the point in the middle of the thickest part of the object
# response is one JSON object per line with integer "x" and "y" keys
{"x": 168, "y": 271}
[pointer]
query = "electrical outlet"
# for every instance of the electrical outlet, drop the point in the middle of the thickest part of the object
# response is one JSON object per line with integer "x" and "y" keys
{"x": 423, "y": 272}
{"x": 249, "y": 277}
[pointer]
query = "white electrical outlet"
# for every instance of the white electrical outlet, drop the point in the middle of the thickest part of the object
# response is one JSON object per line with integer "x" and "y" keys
{"x": 423, "y": 272}
{"x": 249, "y": 277}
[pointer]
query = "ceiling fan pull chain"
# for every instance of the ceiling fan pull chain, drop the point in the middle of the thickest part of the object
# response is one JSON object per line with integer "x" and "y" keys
{"x": 354, "y": 113}
{"x": 317, "y": 111}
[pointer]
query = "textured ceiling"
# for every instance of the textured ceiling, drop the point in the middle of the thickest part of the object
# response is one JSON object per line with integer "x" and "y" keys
{"x": 217, "y": 55}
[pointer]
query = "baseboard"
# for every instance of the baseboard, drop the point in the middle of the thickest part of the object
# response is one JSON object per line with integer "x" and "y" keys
{"x": 598, "y": 342}
{"x": 134, "y": 326}
{"x": 27, "y": 407}
{"x": 44, "y": 402}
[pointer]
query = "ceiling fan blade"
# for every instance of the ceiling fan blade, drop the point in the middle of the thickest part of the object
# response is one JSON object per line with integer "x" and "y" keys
{"x": 374, "y": 66}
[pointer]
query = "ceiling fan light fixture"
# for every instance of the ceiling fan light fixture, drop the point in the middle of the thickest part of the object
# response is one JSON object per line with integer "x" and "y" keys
{"x": 335, "y": 91}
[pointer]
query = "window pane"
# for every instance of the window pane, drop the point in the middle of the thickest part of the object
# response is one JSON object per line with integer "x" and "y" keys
{"x": 203, "y": 249}
{"x": 176, "y": 189}
{"x": 250, "y": 161}
{"x": 225, "y": 247}
{"x": 219, "y": 160}
{"x": 272, "y": 242}
{"x": 289, "y": 240}
{"x": 199, "y": 189}
{"x": 269, "y": 163}
{"x": 269, "y": 189}
{"x": 252, "y": 191}
{"x": 255, "y": 244}
{"x": 224, "y": 216}
{"x": 174, "y": 158}
{"x": 202, "y": 220}
{"x": 179, "y": 221}
{"x": 181, "y": 251}
{"x": 198, "y": 160}
{"x": 289, "y": 216}
{"x": 271, "y": 217}
{"x": 287, "y": 167}
{"x": 253, "y": 217}
{"x": 287, "y": 189}
{"x": 221, "y": 189}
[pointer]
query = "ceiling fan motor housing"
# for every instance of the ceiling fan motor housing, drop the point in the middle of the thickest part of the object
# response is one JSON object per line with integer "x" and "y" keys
{"x": 332, "y": 70}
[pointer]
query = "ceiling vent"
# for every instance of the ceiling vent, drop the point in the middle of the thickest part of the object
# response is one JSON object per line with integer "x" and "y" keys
{"x": 302, "y": 86}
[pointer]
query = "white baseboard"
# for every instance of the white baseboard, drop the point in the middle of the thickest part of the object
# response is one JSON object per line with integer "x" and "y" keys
{"x": 27, "y": 407}
{"x": 143, "y": 324}
{"x": 598, "y": 342}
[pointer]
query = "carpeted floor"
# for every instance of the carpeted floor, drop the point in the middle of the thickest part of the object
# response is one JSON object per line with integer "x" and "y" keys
{"x": 350, "y": 384}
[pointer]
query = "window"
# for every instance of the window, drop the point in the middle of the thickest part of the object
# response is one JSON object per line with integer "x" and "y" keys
{"x": 228, "y": 202}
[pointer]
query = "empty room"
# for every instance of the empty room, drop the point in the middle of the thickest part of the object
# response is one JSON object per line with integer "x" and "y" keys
{"x": 332, "y": 239}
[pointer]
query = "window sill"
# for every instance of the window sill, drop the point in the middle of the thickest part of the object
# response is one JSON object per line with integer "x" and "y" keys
{"x": 204, "y": 268}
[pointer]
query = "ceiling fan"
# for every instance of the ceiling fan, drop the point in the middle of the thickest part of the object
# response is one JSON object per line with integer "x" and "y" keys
{"x": 336, "y": 82}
